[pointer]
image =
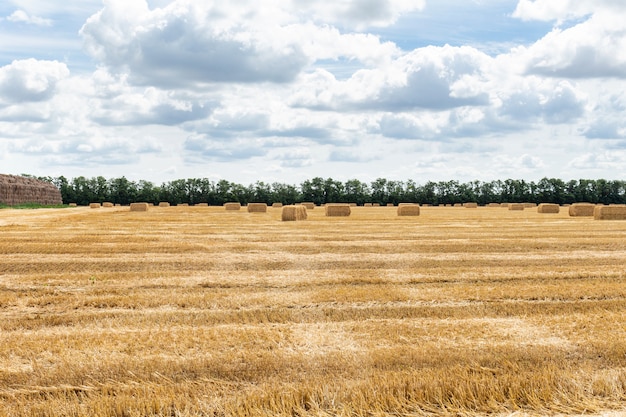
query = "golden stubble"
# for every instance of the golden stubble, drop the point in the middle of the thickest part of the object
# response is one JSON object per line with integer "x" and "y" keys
{"x": 201, "y": 311}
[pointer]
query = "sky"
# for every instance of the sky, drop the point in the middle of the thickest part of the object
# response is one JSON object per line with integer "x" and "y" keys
{"x": 288, "y": 90}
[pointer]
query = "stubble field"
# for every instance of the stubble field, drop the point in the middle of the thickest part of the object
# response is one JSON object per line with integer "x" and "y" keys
{"x": 196, "y": 311}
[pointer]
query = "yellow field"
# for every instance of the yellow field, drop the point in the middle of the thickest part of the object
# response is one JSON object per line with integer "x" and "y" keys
{"x": 196, "y": 311}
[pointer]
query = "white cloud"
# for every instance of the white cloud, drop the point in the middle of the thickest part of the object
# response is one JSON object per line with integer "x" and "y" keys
{"x": 20, "y": 16}
{"x": 30, "y": 80}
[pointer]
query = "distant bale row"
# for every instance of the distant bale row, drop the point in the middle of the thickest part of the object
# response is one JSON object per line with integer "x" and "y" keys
{"x": 337, "y": 210}
{"x": 581, "y": 209}
{"x": 257, "y": 208}
{"x": 16, "y": 190}
{"x": 294, "y": 213}
{"x": 548, "y": 208}
{"x": 616, "y": 212}
{"x": 408, "y": 210}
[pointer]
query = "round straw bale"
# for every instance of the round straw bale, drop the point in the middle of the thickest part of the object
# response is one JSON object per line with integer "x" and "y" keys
{"x": 138, "y": 206}
{"x": 367, "y": 204}
{"x": 516, "y": 206}
{"x": 108, "y": 204}
{"x": 73, "y": 205}
{"x": 548, "y": 208}
{"x": 257, "y": 207}
{"x": 493, "y": 205}
{"x": 277, "y": 205}
{"x": 308, "y": 205}
{"x": 390, "y": 204}
{"x": 470, "y": 205}
{"x": 293, "y": 213}
{"x": 613, "y": 212}
{"x": 232, "y": 206}
{"x": 409, "y": 210}
{"x": 581, "y": 209}
{"x": 337, "y": 210}
{"x": 94, "y": 205}
{"x": 530, "y": 205}
{"x": 164, "y": 204}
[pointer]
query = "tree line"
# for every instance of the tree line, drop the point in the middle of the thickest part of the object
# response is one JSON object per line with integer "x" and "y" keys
{"x": 82, "y": 191}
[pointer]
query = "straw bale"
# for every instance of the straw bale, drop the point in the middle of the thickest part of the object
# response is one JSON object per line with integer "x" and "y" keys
{"x": 548, "y": 208}
{"x": 581, "y": 209}
{"x": 530, "y": 205}
{"x": 367, "y": 204}
{"x": 504, "y": 205}
{"x": 94, "y": 205}
{"x": 16, "y": 190}
{"x": 164, "y": 204}
{"x": 612, "y": 212}
{"x": 390, "y": 204}
{"x": 493, "y": 205}
{"x": 138, "y": 206}
{"x": 73, "y": 205}
{"x": 458, "y": 205}
{"x": 257, "y": 207}
{"x": 277, "y": 205}
{"x": 108, "y": 204}
{"x": 353, "y": 204}
{"x": 375, "y": 204}
{"x": 516, "y": 206}
{"x": 232, "y": 206}
{"x": 337, "y": 210}
{"x": 308, "y": 205}
{"x": 409, "y": 210}
{"x": 470, "y": 205}
{"x": 294, "y": 213}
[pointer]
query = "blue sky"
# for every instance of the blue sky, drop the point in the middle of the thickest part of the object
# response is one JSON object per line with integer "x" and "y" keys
{"x": 293, "y": 89}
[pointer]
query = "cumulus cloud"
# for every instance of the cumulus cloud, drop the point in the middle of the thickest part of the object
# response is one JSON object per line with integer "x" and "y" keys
{"x": 186, "y": 43}
{"x": 434, "y": 78}
{"x": 30, "y": 80}
{"x": 591, "y": 48}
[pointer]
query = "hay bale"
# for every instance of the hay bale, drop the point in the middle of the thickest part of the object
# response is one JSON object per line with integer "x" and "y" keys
{"x": 548, "y": 208}
{"x": 94, "y": 205}
{"x": 367, "y": 204}
{"x": 337, "y": 210}
{"x": 277, "y": 205}
{"x": 73, "y": 205}
{"x": 613, "y": 212}
{"x": 138, "y": 206}
{"x": 470, "y": 205}
{"x": 516, "y": 206}
{"x": 257, "y": 207}
{"x": 390, "y": 204}
{"x": 504, "y": 205}
{"x": 16, "y": 190}
{"x": 408, "y": 210}
{"x": 308, "y": 205}
{"x": 232, "y": 206}
{"x": 108, "y": 204}
{"x": 353, "y": 204}
{"x": 294, "y": 213}
{"x": 581, "y": 209}
{"x": 530, "y": 205}
{"x": 493, "y": 205}
{"x": 164, "y": 204}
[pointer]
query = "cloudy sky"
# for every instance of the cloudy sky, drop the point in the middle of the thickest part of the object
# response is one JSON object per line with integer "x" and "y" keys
{"x": 287, "y": 90}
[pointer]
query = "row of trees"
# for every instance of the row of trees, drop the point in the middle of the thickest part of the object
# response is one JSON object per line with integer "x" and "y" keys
{"x": 83, "y": 191}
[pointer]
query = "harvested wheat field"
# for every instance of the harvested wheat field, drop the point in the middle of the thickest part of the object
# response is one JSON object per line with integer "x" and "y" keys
{"x": 196, "y": 311}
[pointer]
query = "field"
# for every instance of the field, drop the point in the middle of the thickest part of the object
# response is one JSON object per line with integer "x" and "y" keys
{"x": 199, "y": 311}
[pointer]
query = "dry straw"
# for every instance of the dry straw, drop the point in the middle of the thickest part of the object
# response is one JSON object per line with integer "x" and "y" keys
{"x": 337, "y": 210}
{"x": 548, "y": 208}
{"x": 516, "y": 206}
{"x": 277, "y": 205}
{"x": 308, "y": 205}
{"x": 16, "y": 190}
{"x": 616, "y": 212}
{"x": 581, "y": 209}
{"x": 470, "y": 205}
{"x": 232, "y": 206}
{"x": 94, "y": 205}
{"x": 164, "y": 204}
{"x": 108, "y": 204}
{"x": 408, "y": 210}
{"x": 530, "y": 205}
{"x": 139, "y": 207}
{"x": 493, "y": 205}
{"x": 257, "y": 207}
{"x": 293, "y": 213}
